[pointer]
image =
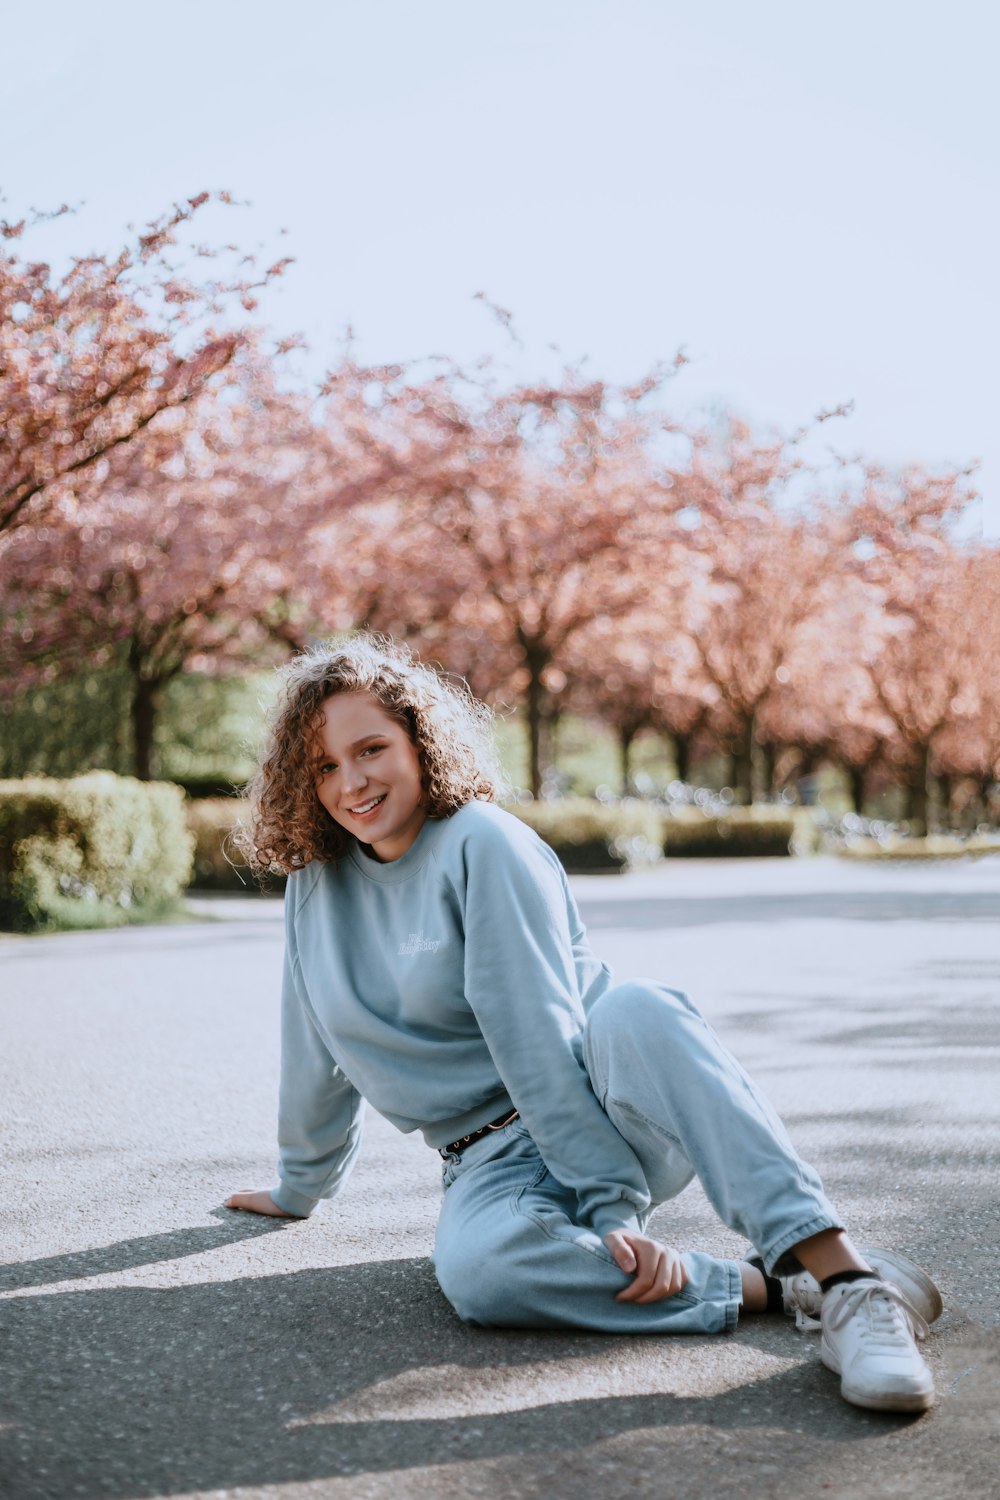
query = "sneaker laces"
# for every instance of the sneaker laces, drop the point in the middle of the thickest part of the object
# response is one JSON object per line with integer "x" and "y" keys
{"x": 885, "y": 1307}
{"x": 804, "y": 1297}
{"x": 801, "y": 1296}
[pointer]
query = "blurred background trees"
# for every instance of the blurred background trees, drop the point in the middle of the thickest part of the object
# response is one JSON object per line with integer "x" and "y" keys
{"x": 176, "y": 514}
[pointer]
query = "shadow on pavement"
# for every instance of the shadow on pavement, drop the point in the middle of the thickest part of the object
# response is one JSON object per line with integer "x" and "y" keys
{"x": 131, "y": 1392}
{"x": 127, "y": 1254}
{"x": 876, "y": 1030}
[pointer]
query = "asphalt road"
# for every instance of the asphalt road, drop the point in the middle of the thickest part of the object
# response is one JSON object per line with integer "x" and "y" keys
{"x": 153, "y": 1343}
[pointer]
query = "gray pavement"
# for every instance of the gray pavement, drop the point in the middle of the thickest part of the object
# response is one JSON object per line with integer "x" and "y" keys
{"x": 154, "y": 1344}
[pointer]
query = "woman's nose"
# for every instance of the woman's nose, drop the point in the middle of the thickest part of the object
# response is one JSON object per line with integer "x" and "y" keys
{"x": 354, "y": 778}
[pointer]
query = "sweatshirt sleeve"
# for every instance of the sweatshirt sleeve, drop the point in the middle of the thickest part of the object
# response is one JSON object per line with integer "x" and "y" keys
{"x": 320, "y": 1112}
{"x": 521, "y": 984}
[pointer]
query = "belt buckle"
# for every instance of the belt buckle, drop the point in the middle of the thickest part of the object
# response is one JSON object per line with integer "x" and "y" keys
{"x": 455, "y": 1148}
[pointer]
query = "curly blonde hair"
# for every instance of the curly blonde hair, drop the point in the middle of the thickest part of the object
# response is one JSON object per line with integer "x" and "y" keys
{"x": 285, "y": 825}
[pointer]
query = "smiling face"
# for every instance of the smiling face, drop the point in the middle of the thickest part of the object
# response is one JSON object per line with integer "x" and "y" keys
{"x": 368, "y": 774}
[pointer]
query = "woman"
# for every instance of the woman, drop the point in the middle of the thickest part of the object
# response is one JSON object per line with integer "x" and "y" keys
{"x": 436, "y": 966}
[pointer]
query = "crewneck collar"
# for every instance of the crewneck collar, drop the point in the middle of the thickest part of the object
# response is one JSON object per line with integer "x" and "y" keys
{"x": 389, "y": 872}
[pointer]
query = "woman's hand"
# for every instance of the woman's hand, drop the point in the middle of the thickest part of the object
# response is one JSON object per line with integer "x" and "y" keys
{"x": 657, "y": 1270}
{"x": 259, "y": 1202}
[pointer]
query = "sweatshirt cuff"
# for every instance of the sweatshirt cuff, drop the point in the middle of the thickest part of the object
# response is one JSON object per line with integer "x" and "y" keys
{"x": 291, "y": 1202}
{"x": 620, "y": 1215}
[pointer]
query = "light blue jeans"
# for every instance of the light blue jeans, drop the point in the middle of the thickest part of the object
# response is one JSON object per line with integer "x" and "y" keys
{"x": 510, "y": 1251}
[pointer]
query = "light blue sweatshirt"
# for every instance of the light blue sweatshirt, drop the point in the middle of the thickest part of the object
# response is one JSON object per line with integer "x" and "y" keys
{"x": 445, "y": 988}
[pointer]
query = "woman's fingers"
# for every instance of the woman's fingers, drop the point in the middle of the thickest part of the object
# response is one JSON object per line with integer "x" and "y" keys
{"x": 621, "y": 1250}
{"x": 657, "y": 1270}
{"x": 648, "y": 1273}
{"x": 671, "y": 1277}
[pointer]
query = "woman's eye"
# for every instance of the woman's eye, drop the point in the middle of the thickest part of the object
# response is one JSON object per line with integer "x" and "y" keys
{"x": 327, "y": 767}
{"x": 372, "y": 749}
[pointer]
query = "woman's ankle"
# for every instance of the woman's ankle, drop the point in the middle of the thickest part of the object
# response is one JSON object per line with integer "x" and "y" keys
{"x": 755, "y": 1294}
{"x": 830, "y": 1253}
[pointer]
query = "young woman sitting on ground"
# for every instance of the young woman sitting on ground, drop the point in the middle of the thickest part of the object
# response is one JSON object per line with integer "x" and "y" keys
{"x": 436, "y": 967}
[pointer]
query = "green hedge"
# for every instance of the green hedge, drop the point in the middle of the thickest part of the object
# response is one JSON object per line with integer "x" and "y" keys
{"x": 98, "y": 850}
{"x": 217, "y": 865}
{"x": 738, "y": 832}
{"x": 587, "y": 836}
{"x": 937, "y": 846}
{"x": 591, "y": 837}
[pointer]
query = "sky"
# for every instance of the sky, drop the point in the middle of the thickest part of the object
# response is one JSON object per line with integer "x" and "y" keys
{"x": 803, "y": 198}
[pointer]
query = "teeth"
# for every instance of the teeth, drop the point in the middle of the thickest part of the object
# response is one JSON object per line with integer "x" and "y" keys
{"x": 367, "y": 806}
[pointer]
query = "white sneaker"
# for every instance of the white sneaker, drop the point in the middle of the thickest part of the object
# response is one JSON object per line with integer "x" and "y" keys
{"x": 803, "y": 1296}
{"x": 868, "y": 1330}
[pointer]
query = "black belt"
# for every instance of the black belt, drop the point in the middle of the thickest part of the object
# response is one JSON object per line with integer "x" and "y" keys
{"x": 457, "y": 1147}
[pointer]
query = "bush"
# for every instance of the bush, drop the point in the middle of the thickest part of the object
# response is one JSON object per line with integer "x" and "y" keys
{"x": 217, "y": 865}
{"x": 808, "y": 824}
{"x": 586, "y": 835}
{"x": 739, "y": 832}
{"x": 936, "y": 846}
{"x": 96, "y": 851}
{"x": 595, "y": 837}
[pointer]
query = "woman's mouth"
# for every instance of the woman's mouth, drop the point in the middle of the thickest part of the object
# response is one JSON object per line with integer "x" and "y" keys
{"x": 365, "y": 809}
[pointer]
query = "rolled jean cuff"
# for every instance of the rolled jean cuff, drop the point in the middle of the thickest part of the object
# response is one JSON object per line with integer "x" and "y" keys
{"x": 291, "y": 1202}
{"x": 779, "y": 1258}
{"x": 735, "y": 1296}
{"x": 712, "y": 1297}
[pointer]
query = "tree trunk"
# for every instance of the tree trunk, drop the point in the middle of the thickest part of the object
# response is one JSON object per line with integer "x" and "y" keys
{"x": 536, "y": 661}
{"x": 979, "y": 805}
{"x": 768, "y": 761}
{"x": 857, "y": 777}
{"x": 626, "y": 734}
{"x": 147, "y": 700}
{"x": 944, "y": 786}
{"x": 549, "y": 734}
{"x": 916, "y": 801}
{"x": 743, "y": 764}
{"x": 682, "y": 756}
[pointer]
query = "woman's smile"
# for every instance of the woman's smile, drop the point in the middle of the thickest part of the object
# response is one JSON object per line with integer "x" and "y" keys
{"x": 368, "y": 774}
{"x": 366, "y": 809}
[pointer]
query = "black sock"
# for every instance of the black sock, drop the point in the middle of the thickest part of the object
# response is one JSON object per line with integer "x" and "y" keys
{"x": 845, "y": 1276}
{"x": 775, "y": 1296}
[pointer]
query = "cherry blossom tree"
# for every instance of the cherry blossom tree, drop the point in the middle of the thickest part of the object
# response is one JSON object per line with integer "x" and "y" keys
{"x": 88, "y": 360}
{"x": 918, "y": 660}
{"x": 165, "y": 501}
{"x": 544, "y": 505}
{"x": 191, "y": 536}
{"x": 643, "y": 671}
{"x": 760, "y": 573}
{"x": 970, "y": 746}
{"x": 823, "y": 707}
{"x": 922, "y": 668}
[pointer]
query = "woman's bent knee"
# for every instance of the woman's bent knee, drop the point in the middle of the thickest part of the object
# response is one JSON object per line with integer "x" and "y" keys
{"x": 635, "y": 1013}
{"x": 481, "y": 1288}
{"x": 639, "y": 1000}
{"x": 460, "y": 1277}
